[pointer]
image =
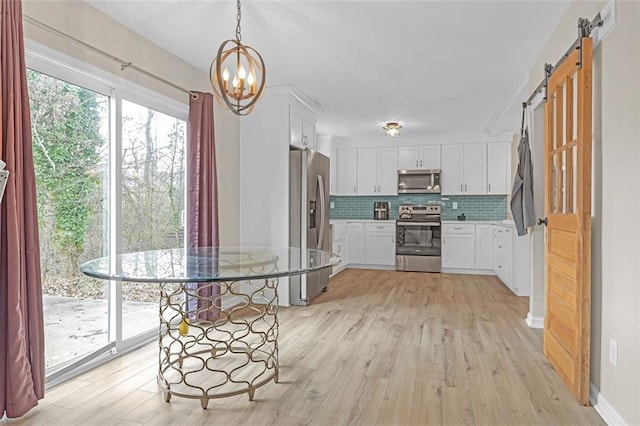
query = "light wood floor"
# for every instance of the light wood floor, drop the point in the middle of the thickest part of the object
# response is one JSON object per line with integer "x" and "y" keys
{"x": 380, "y": 347}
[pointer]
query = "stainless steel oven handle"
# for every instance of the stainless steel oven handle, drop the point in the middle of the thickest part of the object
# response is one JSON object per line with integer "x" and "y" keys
{"x": 418, "y": 223}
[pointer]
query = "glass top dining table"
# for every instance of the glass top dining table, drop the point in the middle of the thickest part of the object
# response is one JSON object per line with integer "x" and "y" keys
{"x": 208, "y": 264}
{"x": 208, "y": 348}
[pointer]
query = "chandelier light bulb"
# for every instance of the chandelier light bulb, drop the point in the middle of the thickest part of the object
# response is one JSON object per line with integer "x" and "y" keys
{"x": 242, "y": 74}
{"x": 225, "y": 74}
{"x": 251, "y": 79}
{"x": 235, "y": 82}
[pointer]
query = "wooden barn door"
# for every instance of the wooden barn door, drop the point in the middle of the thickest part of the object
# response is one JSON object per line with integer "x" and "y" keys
{"x": 568, "y": 212}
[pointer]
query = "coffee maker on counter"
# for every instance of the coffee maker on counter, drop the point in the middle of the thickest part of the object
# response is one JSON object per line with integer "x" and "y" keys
{"x": 381, "y": 210}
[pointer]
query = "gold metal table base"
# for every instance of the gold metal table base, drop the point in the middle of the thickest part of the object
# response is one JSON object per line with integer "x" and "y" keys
{"x": 207, "y": 352}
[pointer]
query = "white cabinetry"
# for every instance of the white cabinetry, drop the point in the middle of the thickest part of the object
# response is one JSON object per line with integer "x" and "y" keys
{"x": 511, "y": 259}
{"x": 498, "y": 168}
{"x": 503, "y": 254}
{"x": 484, "y": 246}
{"x": 458, "y": 246}
{"x": 425, "y": 157}
{"x": 302, "y": 126}
{"x": 355, "y": 242}
{"x": 347, "y": 171}
{"x": 339, "y": 246}
{"x": 464, "y": 169}
{"x": 376, "y": 171}
{"x": 380, "y": 244}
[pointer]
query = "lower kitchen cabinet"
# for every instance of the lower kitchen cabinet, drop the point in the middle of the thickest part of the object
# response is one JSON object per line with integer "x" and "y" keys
{"x": 484, "y": 246}
{"x": 458, "y": 246}
{"x": 339, "y": 232}
{"x": 355, "y": 242}
{"x": 365, "y": 243}
{"x": 380, "y": 244}
{"x": 511, "y": 259}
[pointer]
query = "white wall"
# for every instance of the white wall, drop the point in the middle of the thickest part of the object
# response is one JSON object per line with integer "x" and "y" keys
{"x": 77, "y": 19}
{"x": 616, "y": 228}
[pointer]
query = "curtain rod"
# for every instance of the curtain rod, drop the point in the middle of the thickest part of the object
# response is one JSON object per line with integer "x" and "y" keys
{"x": 123, "y": 63}
{"x": 585, "y": 27}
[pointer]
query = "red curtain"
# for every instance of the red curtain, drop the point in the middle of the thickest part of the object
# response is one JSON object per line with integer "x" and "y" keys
{"x": 202, "y": 200}
{"x": 21, "y": 318}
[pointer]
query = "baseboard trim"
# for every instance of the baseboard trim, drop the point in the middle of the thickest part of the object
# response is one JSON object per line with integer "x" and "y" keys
{"x": 534, "y": 322}
{"x": 467, "y": 271}
{"x": 366, "y": 266}
{"x": 602, "y": 406}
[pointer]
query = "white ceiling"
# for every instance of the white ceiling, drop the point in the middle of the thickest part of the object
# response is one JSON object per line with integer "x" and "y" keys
{"x": 436, "y": 66}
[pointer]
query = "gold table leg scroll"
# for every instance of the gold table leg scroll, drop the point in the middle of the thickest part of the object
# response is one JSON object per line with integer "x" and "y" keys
{"x": 233, "y": 351}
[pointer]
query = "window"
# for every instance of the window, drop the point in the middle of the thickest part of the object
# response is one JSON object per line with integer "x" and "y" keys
{"x": 104, "y": 187}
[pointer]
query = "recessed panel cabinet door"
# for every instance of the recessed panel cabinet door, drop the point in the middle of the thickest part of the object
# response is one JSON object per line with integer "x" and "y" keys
{"x": 367, "y": 171}
{"x": 498, "y": 168}
{"x": 347, "y": 171}
{"x": 452, "y": 169}
{"x": 475, "y": 168}
{"x": 408, "y": 158}
{"x": 387, "y": 171}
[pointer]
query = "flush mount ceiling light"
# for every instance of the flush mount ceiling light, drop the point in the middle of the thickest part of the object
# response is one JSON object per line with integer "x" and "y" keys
{"x": 392, "y": 128}
{"x": 249, "y": 74}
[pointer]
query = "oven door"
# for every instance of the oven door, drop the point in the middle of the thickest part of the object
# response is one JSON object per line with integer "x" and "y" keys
{"x": 418, "y": 238}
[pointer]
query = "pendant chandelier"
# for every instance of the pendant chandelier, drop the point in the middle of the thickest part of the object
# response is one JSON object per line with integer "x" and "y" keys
{"x": 249, "y": 74}
{"x": 392, "y": 128}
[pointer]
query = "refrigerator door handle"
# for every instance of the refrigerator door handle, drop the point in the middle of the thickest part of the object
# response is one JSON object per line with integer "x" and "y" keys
{"x": 323, "y": 211}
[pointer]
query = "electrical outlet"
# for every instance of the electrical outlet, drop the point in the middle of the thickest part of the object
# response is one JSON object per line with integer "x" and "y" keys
{"x": 454, "y": 205}
{"x": 331, "y": 205}
{"x": 613, "y": 352}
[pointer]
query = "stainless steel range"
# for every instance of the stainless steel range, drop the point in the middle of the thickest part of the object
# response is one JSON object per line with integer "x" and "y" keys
{"x": 418, "y": 238}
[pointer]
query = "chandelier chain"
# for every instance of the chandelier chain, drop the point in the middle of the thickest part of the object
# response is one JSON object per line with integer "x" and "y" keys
{"x": 239, "y": 16}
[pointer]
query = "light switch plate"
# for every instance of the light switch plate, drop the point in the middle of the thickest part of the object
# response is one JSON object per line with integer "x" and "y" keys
{"x": 454, "y": 205}
{"x": 331, "y": 205}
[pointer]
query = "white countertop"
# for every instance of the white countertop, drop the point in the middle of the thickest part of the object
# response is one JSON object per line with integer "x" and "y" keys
{"x": 362, "y": 220}
{"x": 504, "y": 222}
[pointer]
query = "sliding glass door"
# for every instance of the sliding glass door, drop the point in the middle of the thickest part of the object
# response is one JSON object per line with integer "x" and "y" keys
{"x": 70, "y": 127}
{"x": 153, "y": 148}
{"x": 109, "y": 179}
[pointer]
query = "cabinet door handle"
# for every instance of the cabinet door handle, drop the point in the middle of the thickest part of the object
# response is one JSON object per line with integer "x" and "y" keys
{"x": 465, "y": 187}
{"x": 489, "y": 188}
{"x": 355, "y": 189}
{"x": 458, "y": 229}
{"x": 499, "y": 246}
{"x": 374, "y": 188}
{"x": 461, "y": 188}
{"x": 416, "y": 163}
{"x": 379, "y": 188}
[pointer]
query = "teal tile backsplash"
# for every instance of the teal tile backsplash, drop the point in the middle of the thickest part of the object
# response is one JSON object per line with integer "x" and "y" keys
{"x": 479, "y": 207}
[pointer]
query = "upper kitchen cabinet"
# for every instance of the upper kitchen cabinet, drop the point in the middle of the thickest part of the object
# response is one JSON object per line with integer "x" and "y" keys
{"x": 302, "y": 125}
{"x": 377, "y": 173}
{"x": 346, "y": 175}
{"x": 425, "y": 157}
{"x": 464, "y": 169}
{"x": 498, "y": 168}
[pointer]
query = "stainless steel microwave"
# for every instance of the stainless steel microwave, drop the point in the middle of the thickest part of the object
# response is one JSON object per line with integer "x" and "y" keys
{"x": 419, "y": 181}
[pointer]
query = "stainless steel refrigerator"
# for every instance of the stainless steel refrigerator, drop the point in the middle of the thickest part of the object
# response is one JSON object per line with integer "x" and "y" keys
{"x": 308, "y": 218}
